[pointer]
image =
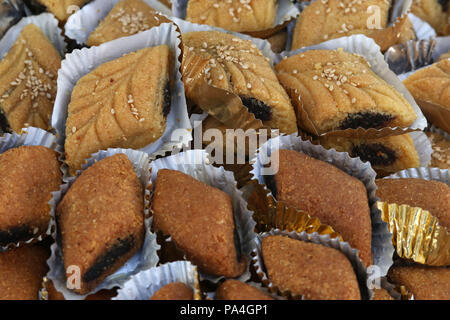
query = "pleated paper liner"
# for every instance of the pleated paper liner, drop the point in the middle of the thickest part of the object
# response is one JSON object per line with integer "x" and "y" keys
{"x": 422, "y": 29}
{"x": 143, "y": 285}
{"x": 31, "y": 137}
{"x": 287, "y": 11}
{"x": 325, "y": 240}
{"x": 144, "y": 259}
{"x": 196, "y": 164}
{"x": 370, "y": 51}
{"x": 417, "y": 234}
{"x": 268, "y": 209}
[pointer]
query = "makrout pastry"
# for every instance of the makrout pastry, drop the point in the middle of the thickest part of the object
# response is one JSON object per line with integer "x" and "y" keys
{"x": 339, "y": 90}
{"x": 199, "y": 220}
{"x": 381, "y": 294}
{"x": 440, "y": 158}
{"x": 101, "y": 220}
{"x": 237, "y": 290}
{"x": 53, "y": 294}
{"x": 122, "y": 103}
{"x": 237, "y": 66}
{"x": 424, "y": 282}
{"x": 326, "y": 192}
{"x": 431, "y": 11}
{"x": 63, "y": 9}
{"x": 431, "y": 84}
{"x": 388, "y": 154}
{"x": 310, "y": 270}
{"x": 28, "y": 176}
{"x": 126, "y": 18}
{"x": 21, "y": 272}
{"x": 329, "y": 19}
{"x": 445, "y": 56}
{"x": 234, "y": 15}
{"x": 28, "y": 81}
{"x": 433, "y": 196}
{"x": 174, "y": 291}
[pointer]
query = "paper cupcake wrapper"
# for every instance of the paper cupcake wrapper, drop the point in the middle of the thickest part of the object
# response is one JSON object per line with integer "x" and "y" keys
{"x": 80, "y": 62}
{"x": 325, "y": 240}
{"x": 382, "y": 248}
{"x": 48, "y": 25}
{"x": 30, "y": 137}
{"x": 435, "y": 129}
{"x": 287, "y": 11}
{"x": 83, "y": 22}
{"x": 196, "y": 164}
{"x": 416, "y": 232}
{"x": 370, "y": 51}
{"x": 10, "y": 12}
{"x": 383, "y": 283}
{"x": 144, "y": 259}
{"x": 143, "y": 285}
{"x": 422, "y": 29}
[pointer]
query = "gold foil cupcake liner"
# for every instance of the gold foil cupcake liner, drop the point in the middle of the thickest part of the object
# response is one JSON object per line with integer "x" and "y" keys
{"x": 196, "y": 164}
{"x": 143, "y": 285}
{"x": 417, "y": 234}
{"x": 325, "y": 240}
{"x": 144, "y": 259}
{"x": 31, "y": 137}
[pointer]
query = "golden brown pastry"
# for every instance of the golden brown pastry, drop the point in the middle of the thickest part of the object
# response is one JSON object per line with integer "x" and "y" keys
{"x": 445, "y": 56}
{"x": 234, "y": 15}
{"x": 431, "y": 84}
{"x": 237, "y": 290}
{"x": 339, "y": 90}
{"x": 236, "y": 65}
{"x": 440, "y": 158}
{"x": 433, "y": 196}
{"x": 200, "y": 221}
{"x": 328, "y": 193}
{"x": 126, "y": 18}
{"x": 28, "y": 176}
{"x": 28, "y": 81}
{"x": 21, "y": 272}
{"x": 424, "y": 282}
{"x": 63, "y": 9}
{"x": 101, "y": 220}
{"x": 53, "y": 294}
{"x": 330, "y": 19}
{"x": 174, "y": 291}
{"x": 381, "y": 294}
{"x": 432, "y": 12}
{"x": 386, "y": 155}
{"x": 122, "y": 103}
{"x": 310, "y": 270}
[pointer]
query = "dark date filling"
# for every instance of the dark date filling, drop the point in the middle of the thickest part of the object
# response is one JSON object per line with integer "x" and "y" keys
{"x": 257, "y": 107}
{"x": 167, "y": 99}
{"x": 376, "y": 154}
{"x": 366, "y": 120}
{"x": 15, "y": 234}
{"x": 120, "y": 248}
{"x": 4, "y": 125}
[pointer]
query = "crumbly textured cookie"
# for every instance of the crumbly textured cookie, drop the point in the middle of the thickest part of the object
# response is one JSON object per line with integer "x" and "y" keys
{"x": 424, "y": 282}
{"x": 174, "y": 291}
{"x": 431, "y": 84}
{"x": 53, "y": 294}
{"x": 236, "y": 65}
{"x": 432, "y": 12}
{"x": 237, "y": 290}
{"x": 234, "y": 15}
{"x": 63, "y": 9}
{"x": 101, "y": 224}
{"x": 440, "y": 158}
{"x": 121, "y": 104}
{"x": 329, "y": 19}
{"x": 381, "y": 294}
{"x": 311, "y": 270}
{"x": 21, "y": 272}
{"x": 388, "y": 154}
{"x": 28, "y": 81}
{"x": 28, "y": 176}
{"x": 200, "y": 221}
{"x": 433, "y": 196}
{"x": 325, "y": 192}
{"x": 339, "y": 90}
{"x": 126, "y": 18}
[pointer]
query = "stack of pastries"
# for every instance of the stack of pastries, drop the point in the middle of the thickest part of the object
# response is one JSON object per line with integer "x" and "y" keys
{"x": 330, "y": 96}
